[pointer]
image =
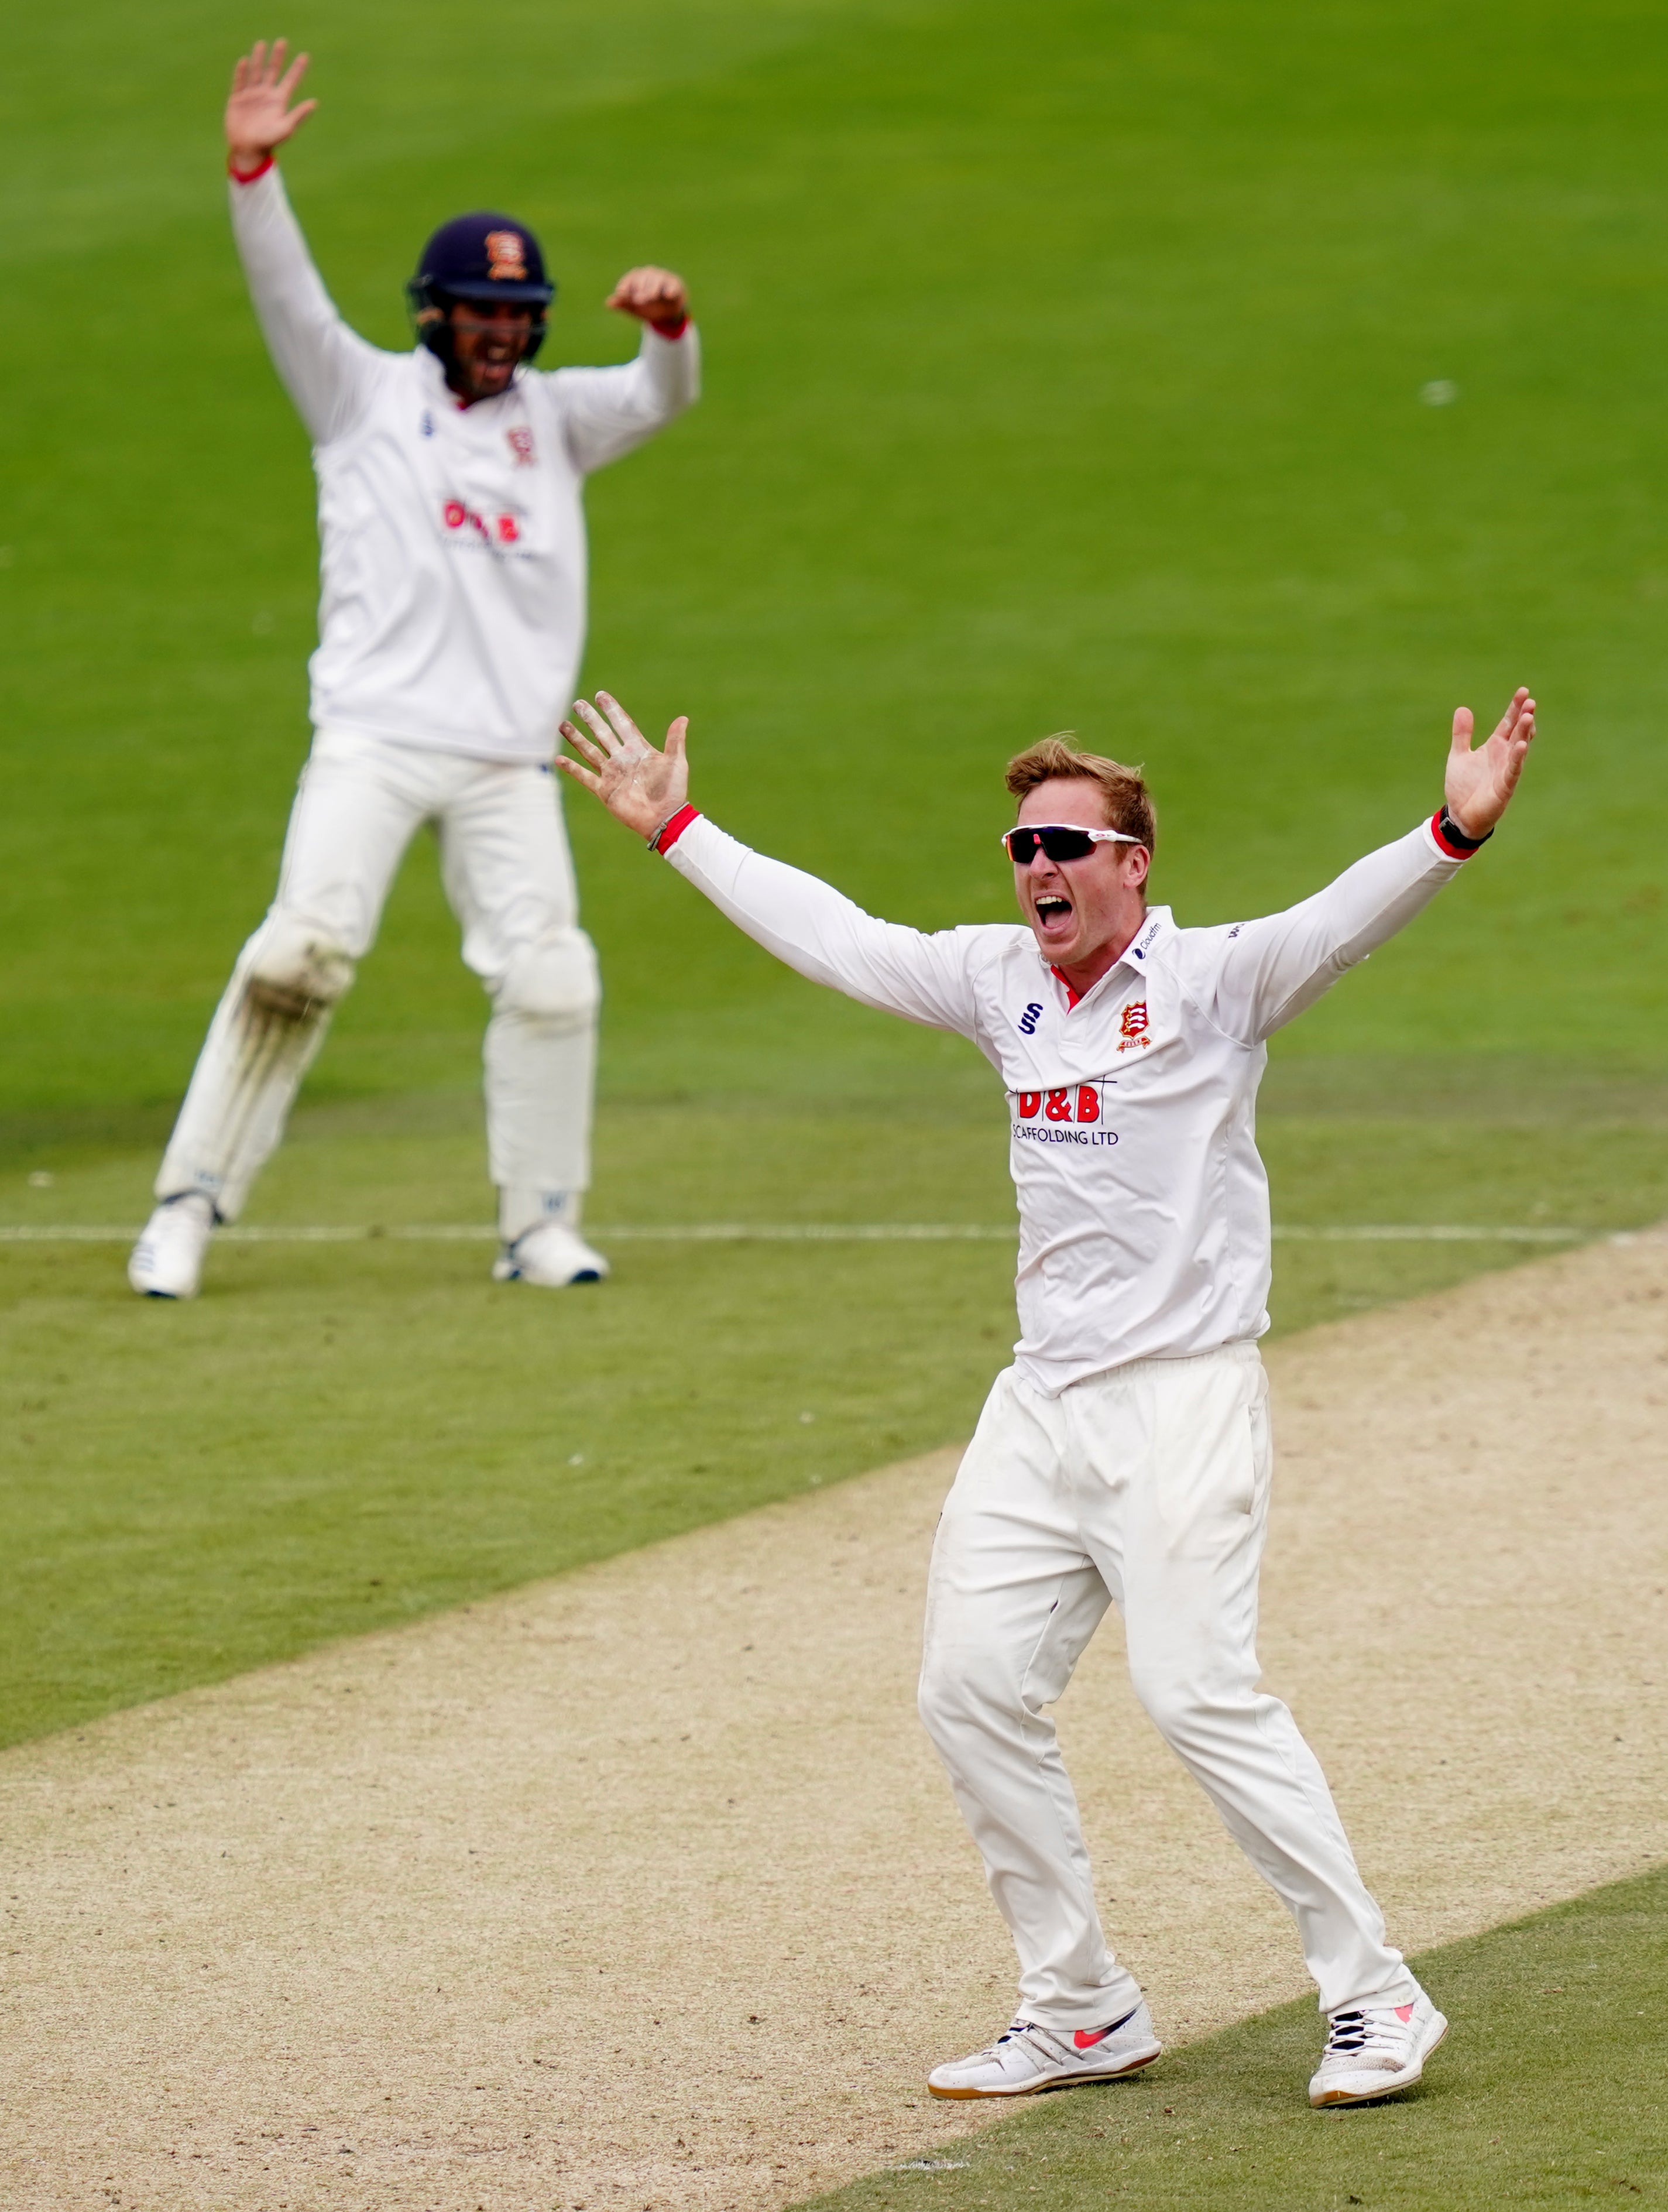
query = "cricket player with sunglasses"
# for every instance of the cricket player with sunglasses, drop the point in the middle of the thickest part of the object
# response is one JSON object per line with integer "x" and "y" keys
{"x": 1125, "y": 1458}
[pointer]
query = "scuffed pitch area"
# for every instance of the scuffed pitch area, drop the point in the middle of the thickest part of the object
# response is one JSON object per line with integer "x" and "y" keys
{"x": 641, "y": 1888}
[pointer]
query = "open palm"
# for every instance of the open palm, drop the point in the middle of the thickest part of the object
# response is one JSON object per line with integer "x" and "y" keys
{"x": 640, "y": 787}
{"x": 1480, "y": 782}
{"x": 258, "y": 115}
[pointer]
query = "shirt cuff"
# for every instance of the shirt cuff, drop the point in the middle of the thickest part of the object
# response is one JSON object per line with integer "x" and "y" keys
{"x": 1446, "y": 846}
{"x": 249, "y": 176}
{"x": 675, "y": 829}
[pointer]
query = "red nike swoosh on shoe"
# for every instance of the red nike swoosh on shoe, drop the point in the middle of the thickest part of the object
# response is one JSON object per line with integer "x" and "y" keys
{"x": 1088, "y": 2042}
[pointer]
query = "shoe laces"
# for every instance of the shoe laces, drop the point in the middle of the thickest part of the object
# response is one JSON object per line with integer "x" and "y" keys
{"x": 1350, "y": 2032}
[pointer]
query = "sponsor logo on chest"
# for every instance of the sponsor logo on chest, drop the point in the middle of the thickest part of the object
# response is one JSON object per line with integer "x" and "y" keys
{"x": 489, "y": 516}
{"x": 489, "y": 529}
{"x": 1067, "y": 1114}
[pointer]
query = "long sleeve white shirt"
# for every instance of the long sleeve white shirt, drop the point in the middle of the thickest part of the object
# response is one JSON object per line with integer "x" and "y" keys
{"x": 1142, "y": 1201}
{"x": 452, "y": 607}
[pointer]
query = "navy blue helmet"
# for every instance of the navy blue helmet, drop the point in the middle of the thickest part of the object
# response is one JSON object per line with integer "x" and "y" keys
{"x": 478, "y": 257}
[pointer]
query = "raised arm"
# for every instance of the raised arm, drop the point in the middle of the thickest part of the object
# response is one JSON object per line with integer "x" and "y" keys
{"x": 326, "y": 368}
{"x": 805, "y": 922}
{"x": 1269, "y": 970}
{"x": 607, "y": 411}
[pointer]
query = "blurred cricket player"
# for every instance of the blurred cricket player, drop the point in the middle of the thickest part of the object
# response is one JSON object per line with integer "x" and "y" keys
{"x": 451, "y": 626}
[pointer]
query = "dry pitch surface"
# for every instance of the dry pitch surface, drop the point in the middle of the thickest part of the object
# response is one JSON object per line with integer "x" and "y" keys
{"x": 641, "y": 1888}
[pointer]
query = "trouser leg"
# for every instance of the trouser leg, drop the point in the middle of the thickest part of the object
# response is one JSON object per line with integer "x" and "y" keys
{"x": 357, "y": 806}
{"x": 1184, "y": 1444}
{"x": 1012, "y": 1600}
{"x": 509, "y": 876}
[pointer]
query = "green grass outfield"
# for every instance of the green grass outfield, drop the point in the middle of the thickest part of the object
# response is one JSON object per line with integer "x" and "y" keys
{"x": 1068, "y": 365}
{"x": 1548, "y": 2092}
{"x": 1241, "y": 383}
{"x": 1065, "y": 368}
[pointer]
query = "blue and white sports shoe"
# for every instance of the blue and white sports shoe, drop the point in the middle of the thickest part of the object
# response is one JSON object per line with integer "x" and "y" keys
{"x": 168, "y": 1261}
{"x": 1028, "y": 2057}
{"x": 1375, "y": 2051}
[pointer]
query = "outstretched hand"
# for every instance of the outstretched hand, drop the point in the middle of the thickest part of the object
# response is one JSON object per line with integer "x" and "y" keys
{"x": 1480, "y": 783}
{"x": 640, "y": 787}
{"x": 258, "y": 115}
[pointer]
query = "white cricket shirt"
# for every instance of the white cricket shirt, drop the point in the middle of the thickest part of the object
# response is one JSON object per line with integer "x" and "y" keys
{"x": 1142, "y": 1201}
{"x": 452, "y": 607}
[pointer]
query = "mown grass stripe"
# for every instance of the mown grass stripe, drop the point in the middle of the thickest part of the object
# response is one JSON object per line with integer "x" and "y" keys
{"x": 1548, "y": 2092}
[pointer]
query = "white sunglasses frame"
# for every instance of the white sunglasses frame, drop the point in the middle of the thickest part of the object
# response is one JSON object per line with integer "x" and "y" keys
{"x": 1095, "y": 836}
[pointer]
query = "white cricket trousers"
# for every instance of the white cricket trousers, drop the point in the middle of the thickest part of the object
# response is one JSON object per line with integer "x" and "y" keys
{"x": 1147, "y": 1489}
{"x": 509, "y": 877}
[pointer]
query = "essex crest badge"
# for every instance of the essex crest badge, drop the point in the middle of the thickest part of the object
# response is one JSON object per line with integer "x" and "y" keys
{"x": 506, "y": 257}
{"x": 1132, "y": 1029}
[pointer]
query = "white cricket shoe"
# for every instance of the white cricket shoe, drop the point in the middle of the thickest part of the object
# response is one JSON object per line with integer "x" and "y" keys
{"x": 552, "y": 1255}
{"x": 168, "y": 1261}
{"x": 1027, "y": 2058}
{"x": 1373, "y": 2051}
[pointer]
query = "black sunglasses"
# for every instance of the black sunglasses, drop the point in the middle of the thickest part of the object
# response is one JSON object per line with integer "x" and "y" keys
{"x": 1060, "y": 840}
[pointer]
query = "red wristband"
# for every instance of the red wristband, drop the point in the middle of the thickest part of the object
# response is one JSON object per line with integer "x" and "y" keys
{"x": 1453, "y": 840}
{"x": 248, "y": 176}
{"x": 672, "y": 830}
{"x": 672, "y": 331}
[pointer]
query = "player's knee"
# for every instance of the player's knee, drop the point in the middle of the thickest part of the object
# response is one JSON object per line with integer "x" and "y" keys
{"x": 554, "y": 980}
{"x": 297, "y": 970}
{"x": 963, "y": 1689}
{"x": 1177, "y": 1704}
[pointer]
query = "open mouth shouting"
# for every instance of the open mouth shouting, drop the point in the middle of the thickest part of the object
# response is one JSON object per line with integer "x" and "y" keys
{"x": 1052, "y": 908}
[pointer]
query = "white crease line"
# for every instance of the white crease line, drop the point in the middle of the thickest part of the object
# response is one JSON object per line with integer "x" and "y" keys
{"x": 790, "y": 1233}
{"x": 1437, "y": 1233}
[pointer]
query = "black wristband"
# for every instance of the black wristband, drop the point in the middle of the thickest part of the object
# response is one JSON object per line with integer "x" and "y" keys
{"x": 1452, "y": 839}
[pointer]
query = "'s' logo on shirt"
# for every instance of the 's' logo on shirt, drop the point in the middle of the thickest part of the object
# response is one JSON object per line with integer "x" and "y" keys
{"x": 521, "y": 445}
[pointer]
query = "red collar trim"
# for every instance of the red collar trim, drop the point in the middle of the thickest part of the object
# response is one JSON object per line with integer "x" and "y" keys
{"x": 1073, "y": 995}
